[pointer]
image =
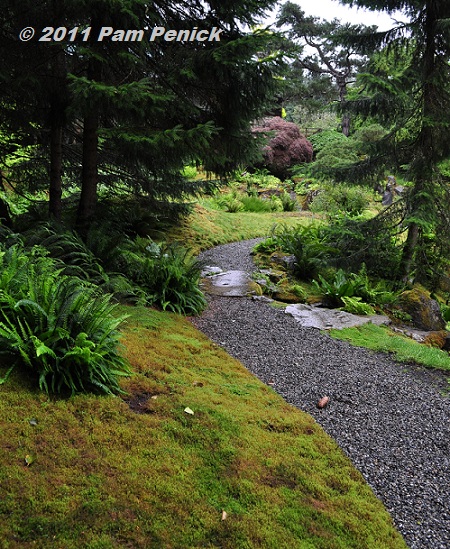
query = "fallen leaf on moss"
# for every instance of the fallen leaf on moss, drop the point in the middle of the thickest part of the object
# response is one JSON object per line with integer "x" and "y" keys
{"x": 29, "y": 459}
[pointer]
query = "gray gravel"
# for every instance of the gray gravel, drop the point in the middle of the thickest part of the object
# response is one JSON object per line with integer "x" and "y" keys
{"x": 391, "y": 419}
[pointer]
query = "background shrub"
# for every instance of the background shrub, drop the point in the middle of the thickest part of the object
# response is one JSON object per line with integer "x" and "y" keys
{"x": 305, "y": 243}
{"x": 327, "y": 138}
{"x": 371, "y": 242}
{"x": 340, "y": 198}
{"x": 284, "y": 149}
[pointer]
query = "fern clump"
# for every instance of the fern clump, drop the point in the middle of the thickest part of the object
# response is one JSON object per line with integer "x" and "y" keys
{"x": 167, "y": 273}
{"x": 57, "y": 325}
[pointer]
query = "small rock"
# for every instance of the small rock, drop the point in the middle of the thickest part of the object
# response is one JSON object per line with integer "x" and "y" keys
{"x": 323, "y": 402}
{"x": 263, "y": 298}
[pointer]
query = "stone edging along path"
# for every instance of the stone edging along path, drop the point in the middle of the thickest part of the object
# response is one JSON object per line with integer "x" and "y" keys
{"x": 391, "y": 419}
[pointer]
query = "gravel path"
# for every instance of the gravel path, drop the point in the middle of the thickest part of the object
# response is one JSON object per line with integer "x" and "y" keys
{"x": 391, "y": 419}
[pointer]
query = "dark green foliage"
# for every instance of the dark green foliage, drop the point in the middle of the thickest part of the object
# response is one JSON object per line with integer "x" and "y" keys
{"x": 445, "y": 309}
{"x": 260, "y": 179}
{"x": 68, "y": 248}
{"x": 307, "y": 245}
{"x": 239, "y": 202}
{"x": 335, "y": 160}
{"x": 407, "y": 88}
{"x": 339, "y": 289}
{"x": 168, "y": 274}
{"x": 326, "y": 138}
{"x": 373, "y": 242}
{"x": 289, "y": 204}
{"x": 230, "y": 203}
{"x": 258, "y": 205}
{"x": 57, "y": 326}
{"x": 136, "y": 270}
{"x": 132, "y": 114}
{"x": 267, "y": 246}
{"x": 348, "y": 158}
{"x": 356, "y": 306}
{"x": 333, "y": 290}
{"x": 335, "y": 199}
{"x": 96, "y": 261}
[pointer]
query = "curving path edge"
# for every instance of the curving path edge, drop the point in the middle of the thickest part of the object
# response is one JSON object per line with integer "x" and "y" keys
{"x": 391, "y": 419}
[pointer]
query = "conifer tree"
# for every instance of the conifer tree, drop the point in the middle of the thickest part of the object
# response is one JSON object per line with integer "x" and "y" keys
{"x": 139, "y": 110}
{"x": 321, "y": 53}
{"x": 33, "y": 93}
{"x": 415, "y": 99}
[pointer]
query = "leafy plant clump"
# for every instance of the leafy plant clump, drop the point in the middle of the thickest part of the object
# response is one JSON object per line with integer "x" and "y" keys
{"x": 340, "y": 198}
{"x": 334, "y": 290}
{"x": 167, "y": 273}
{"x": 356, "y": 306}
{"x": 57, "y": 326}
{"x": 348, "y": 289}
{"x": 137, "y": 271}
{"x": 235, "y": 202}
{"x": 305, "y": 243}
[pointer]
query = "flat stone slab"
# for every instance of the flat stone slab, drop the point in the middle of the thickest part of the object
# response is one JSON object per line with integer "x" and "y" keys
{"x": 229, "y": 284}
{"x": 327, "y": 319}
{"x": 209, "y": 271}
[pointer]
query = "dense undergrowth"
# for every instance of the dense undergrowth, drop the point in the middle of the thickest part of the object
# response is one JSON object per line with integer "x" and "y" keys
{"x": 328, "y": 270}
{"x": 58, "y": 290}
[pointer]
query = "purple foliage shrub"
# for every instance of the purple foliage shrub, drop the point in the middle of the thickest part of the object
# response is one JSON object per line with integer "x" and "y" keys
{"x": 286, "y": 148}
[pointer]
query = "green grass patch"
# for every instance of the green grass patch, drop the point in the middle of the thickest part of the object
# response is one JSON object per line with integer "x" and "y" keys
{"x": 138, "y": 471}
{"x": 206, "y": 227}
{"x": 380, "y": 338}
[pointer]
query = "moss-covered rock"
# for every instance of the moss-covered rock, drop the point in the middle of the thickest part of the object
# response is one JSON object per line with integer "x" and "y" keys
{"x": 288, "y": 293}
{"x": 424, "y": 311}
{"x": 436, "y": 339}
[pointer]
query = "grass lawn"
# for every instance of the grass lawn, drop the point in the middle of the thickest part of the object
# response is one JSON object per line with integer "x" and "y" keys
{"x": 139, "y": 471}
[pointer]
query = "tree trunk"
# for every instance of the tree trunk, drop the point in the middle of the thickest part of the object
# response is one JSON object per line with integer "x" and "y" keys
{"x": 89, "y": 177}
{"x": 421, "y": 203}
{"x": 345, "y": 124}
{"x": 55, "y": 190}
{"x": 58, "y": 101}
{"x": 409, "y": 248}
{"x": 5, "y": 214}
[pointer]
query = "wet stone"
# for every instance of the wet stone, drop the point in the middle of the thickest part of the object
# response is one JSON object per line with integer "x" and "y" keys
{"x": 231, "y": 284}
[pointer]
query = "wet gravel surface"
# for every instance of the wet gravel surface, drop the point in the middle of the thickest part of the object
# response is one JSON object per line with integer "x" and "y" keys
{"x": 391, "y": 419}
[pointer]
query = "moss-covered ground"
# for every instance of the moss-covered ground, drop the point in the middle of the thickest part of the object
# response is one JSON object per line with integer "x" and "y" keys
{"x": 207, "y": 227}
{"x": 381, "y": 338}
{"x": 139, "y": 471}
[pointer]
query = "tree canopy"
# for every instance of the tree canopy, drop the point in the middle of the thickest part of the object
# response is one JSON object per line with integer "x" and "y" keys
{"x": 411, "y": 95}
{"x": 321, "y": 53}
{"x": 131, "y": 113}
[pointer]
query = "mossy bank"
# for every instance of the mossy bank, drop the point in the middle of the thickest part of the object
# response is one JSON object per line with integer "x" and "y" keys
{"x": 243, "y": 470}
